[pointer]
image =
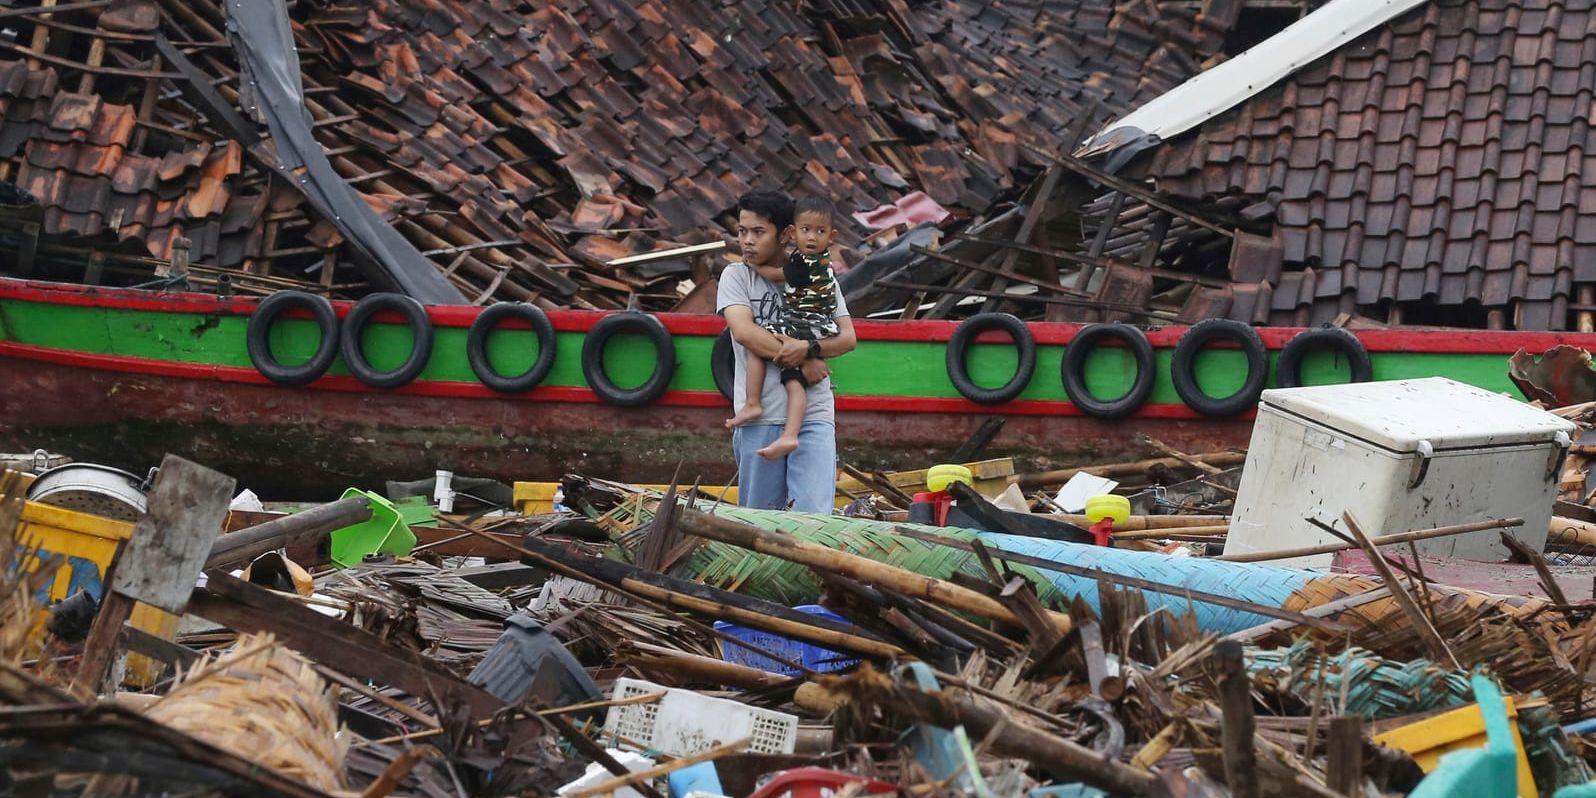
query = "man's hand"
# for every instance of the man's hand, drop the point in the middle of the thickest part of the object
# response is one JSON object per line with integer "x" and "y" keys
{"x": 792, "y": 352}
{"x": 815, "y": 370}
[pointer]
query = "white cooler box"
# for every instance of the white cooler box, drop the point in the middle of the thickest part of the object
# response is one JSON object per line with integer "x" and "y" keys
{"x": 1399, "y": 456}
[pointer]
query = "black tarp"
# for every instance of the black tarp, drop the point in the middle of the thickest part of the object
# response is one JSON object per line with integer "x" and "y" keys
{"x": 272, "y": 90}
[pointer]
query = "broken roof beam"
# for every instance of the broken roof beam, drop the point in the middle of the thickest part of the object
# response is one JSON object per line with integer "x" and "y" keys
{"x": 1141, "y": 192}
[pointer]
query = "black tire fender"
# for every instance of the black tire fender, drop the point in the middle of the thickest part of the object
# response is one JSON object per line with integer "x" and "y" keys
{"x": 415, "y": 316}
{"x": 958, "y": 352}
{"x": 1288, "y": 368}
{"x": 721, "y": 365}
{"x": 477, "y": 346}
{"x": 593, "y": 358}
{"x": 1183, "y": 369}
{"x": 1073, "y": 370}
{"x": 258, "y": 337}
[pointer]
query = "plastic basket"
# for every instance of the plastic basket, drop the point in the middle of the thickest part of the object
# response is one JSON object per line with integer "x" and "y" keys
{"x": 684, "y": 722}
{"x": 813, "y": 657}
{"x": 385, "y": 533}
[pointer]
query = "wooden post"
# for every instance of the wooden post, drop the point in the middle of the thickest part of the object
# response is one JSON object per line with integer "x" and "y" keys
{"x": 1345, "y": 771}
{"x": 1237, "y": 725}
{"x": 159, "y": 564}
{"x": 1033, "y": 215}
{"x": 1044, "y": 478}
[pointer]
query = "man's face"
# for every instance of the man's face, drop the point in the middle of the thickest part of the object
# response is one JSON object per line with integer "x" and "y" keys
{"x": 761, "y": 242}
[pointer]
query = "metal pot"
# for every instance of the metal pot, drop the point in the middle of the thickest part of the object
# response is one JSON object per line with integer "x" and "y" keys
{"x": 94, "y": 489}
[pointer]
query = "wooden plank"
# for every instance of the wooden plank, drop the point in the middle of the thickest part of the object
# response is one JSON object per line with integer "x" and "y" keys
{"x": 979, "y": 439}
{"x": 1144, "y": 193}
{"x": 1344, "y": 773}
{"x": 349, "y": 649}
{"x": 1237, "y": 725}
{"x": 1033, "y": 215}
{"x": 171, "y": 541}
{"x": 675, "y": 253}
{"x": 1000, "y": 468}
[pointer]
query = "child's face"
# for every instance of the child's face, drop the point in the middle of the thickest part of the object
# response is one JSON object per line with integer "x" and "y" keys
{"x": 813, "y": 232}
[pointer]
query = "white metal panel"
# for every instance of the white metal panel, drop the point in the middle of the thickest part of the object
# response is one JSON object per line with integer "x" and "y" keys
{"x": 1402, "y": 414}
{"x": 1217, "y": 90}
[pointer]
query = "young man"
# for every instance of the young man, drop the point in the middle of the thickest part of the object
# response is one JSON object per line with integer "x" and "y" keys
{"x": 808, "y": 313}
{"x": 750, "y": 299}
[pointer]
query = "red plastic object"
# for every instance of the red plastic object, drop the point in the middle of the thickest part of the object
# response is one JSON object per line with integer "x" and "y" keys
{"x": 940, "y": 501}
{"x": 813, "y": 782}
{"x": 1102, "y": 531}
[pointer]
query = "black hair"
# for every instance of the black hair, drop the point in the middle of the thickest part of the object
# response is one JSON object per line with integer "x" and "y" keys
{"x": 819, "y": 205}
{"x": 774, "y": 206}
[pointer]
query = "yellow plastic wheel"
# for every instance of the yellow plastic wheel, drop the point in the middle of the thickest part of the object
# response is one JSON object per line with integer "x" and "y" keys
{"x": 1108, "y": 506}
{"x": 939, "y": 477}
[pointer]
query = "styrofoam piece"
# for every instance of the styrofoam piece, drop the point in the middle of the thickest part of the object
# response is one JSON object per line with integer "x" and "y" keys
{"x": 1398, "y": 456}
{"x": 596, "y": 774}
{"x": 1072, "y": 497}
{"x": 684, "y": 722}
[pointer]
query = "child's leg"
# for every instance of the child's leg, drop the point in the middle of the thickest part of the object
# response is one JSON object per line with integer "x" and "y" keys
{"x": 752, "y": 407}
{"x": 797, "y": 402}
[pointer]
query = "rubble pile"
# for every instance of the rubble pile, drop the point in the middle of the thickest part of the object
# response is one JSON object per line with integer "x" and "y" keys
{"x": 667, "y": 642}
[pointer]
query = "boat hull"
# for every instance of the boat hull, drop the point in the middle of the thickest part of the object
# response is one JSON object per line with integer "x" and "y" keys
{"x": 123, "y": 377}
{"x": 293, "y": 443}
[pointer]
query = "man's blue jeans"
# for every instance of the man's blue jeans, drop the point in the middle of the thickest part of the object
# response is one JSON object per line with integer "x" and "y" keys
{"x": 807, "y": 477}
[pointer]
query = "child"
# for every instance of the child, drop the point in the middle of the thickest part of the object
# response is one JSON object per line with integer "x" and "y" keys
{"x": 809, "y": 300}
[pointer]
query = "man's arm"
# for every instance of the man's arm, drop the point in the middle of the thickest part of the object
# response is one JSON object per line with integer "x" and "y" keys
{"x": 843, "y": 342}
{"x": 816, "y": 369}
{"x": 762, "y": 342}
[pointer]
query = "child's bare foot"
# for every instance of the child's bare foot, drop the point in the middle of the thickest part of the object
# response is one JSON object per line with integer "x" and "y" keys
{"x": 780, "y": 447}
{"x": 750, "y": 412}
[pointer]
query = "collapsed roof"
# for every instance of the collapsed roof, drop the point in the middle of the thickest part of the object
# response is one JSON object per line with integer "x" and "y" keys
{"x": 517, "y": 148}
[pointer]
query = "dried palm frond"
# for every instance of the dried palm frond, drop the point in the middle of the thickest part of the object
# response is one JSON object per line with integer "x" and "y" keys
{"x": 262, "y": 702}
{"x": 22, "y": 574}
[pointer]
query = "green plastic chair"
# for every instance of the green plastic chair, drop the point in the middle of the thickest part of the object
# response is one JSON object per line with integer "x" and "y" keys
{"x": 385, "y": 533}
{"x": 1489, "y": 772}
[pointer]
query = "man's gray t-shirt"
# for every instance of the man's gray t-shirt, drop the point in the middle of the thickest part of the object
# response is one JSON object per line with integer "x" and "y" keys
{"x": 741, "y": 285}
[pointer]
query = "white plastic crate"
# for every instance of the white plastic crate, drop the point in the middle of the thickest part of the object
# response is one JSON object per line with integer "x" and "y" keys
{"x": 684, "y": 722}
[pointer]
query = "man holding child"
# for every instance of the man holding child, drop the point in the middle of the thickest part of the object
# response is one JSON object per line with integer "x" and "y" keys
{"x": 784, "y": 307}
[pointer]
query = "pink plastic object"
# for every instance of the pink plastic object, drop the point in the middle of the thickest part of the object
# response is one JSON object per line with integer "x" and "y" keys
{"x": 813, "y": 782}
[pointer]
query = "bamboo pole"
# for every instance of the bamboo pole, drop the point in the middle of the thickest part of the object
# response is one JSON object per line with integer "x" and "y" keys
{"x": 1138, "y": 523}
{"x": 781, "y": 626}
{"x": 1007, "y": 738}
{"x": 855, "y": 567}
{"x": 608, "y": 788}
{"x": 1383, "y": 540}
{"x": 1044, "y": 478}
{"x": 1568, "y": 532}
{"x": 1185, "y": 531}
{"x": 699, "y": 668}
